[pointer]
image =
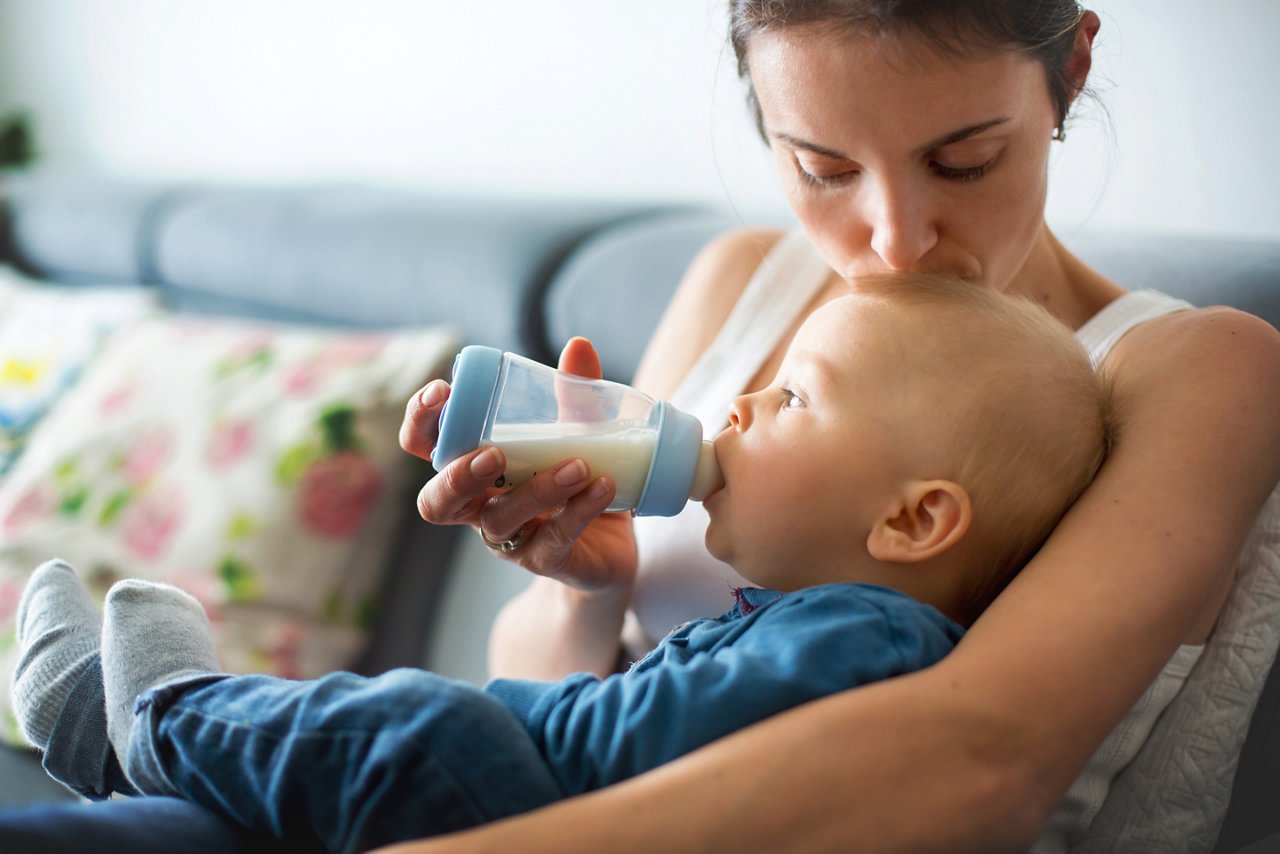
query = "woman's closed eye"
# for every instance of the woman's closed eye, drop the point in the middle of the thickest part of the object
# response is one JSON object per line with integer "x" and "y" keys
{"x": 961, "y": 173}
{"x": 943, "y": 169}
{"x": 824, "y": 181}
{"x": 967, "y": 160}
{"x": 822, "y": 171}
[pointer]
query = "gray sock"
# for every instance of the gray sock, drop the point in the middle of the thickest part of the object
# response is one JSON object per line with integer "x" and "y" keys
{"x": 151, "y": 634}
{"x": 59, "y": 631}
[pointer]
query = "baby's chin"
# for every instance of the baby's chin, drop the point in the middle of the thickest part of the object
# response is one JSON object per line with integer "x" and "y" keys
{"x": 717, "y": 545}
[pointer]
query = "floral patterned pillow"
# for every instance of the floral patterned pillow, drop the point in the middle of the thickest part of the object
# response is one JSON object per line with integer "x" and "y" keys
{"x": 257, "y": 467}
{"x": 47, "y": 336}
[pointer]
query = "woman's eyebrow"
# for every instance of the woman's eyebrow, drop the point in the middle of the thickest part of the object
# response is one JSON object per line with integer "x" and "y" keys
{"x": 944, "y": 140}
{"x": 958, "y": 135}
{"x": 797, "y": 142}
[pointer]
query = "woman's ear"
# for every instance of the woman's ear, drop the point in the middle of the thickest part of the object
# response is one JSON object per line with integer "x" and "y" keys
{"x": 1082, "y": 52}
{"x": 925, "y": 519}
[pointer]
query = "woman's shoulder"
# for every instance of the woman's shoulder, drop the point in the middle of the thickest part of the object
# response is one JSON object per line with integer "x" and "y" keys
{"x": 707, "y": 293}
{"x": 1217, "y": 345}
{"x": 1214, "y": 373}
{"x": 721, "y": 270}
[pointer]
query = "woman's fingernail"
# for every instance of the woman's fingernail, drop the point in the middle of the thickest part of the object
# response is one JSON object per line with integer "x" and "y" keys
{"x": 430, "y": 395}
{"x": 571, "y": 473}
{"x": 485, "y": 463}
{"x": 600, "y": 488}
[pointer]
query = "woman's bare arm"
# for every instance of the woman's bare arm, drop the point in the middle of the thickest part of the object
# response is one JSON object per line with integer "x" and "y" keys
{"x": 973, "y": 753}
{"x": 551, "y": 629}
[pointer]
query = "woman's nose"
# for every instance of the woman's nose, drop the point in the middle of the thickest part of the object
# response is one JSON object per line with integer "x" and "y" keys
{"x": 902, "y": 229}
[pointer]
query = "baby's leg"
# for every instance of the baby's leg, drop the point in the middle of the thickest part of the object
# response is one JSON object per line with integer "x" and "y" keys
{"x": 346, "y": 761}
{"x": 349, "y": 762}
{"x": 57, "y": 684}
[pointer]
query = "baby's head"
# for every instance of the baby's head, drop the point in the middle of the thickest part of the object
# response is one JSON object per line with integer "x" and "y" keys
{"x": 924, "y": 433}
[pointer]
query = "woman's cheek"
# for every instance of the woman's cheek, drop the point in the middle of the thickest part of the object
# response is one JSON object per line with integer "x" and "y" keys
{"x": 838, "y": 239}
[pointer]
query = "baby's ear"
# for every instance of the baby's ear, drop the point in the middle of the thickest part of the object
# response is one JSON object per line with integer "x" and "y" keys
{"x": 925, "y": 519}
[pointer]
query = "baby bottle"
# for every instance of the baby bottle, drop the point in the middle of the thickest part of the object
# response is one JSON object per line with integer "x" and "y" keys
{"x": 538, "y": 416}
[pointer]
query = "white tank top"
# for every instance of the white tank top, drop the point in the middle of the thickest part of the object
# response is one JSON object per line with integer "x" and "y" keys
{"x": 679, "y": 580}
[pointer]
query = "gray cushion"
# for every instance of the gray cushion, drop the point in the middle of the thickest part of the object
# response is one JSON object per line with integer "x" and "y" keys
{"x": 643, "y": 259}
{"x": 22, "y": 779}
{"x": 614, "y": 288}
{"x": 372, "y": 257}
{"x": 81, "y": 229}
{"x": 1202, "y": 270}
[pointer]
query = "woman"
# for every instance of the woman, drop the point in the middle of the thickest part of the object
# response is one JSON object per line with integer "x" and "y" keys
{"x": 908, "y": 136}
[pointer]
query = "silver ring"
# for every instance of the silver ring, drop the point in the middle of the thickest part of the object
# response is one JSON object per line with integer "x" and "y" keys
{"x": 502, "y": 546}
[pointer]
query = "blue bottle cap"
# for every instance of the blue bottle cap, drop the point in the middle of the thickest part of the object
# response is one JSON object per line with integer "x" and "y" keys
{"x": 675, "y": 459}
{"x": 475, "y": 378}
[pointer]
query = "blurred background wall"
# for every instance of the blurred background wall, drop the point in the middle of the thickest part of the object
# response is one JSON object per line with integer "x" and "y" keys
{"x": 592, "y": 97}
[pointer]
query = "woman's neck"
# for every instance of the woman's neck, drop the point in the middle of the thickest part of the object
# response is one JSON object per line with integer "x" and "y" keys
{"x": 1062, "y": 283}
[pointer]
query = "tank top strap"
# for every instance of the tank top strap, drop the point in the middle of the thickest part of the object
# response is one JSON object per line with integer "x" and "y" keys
{"x": 785, "y": 282}
{"x": 1101, "y": 332}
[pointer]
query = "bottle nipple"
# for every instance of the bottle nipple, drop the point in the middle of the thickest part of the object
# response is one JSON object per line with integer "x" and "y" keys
{"x": 706, "y": 477}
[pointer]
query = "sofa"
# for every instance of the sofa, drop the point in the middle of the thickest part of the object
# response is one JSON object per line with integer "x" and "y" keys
{"x": 518, "y": 273}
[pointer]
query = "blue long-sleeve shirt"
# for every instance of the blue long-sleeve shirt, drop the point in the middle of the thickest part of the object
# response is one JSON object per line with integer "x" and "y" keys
{"x": 768, "y": 653}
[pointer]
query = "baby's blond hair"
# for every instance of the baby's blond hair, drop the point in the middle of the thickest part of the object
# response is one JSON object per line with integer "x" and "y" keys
{"x": 1031, "y": 435}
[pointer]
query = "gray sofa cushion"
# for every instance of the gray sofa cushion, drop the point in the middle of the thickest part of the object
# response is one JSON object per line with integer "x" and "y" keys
{"x": 644, "y": 258}
{"x": 614, "y": 287}
{"x": 372, "y": 257}
{"x": 1202, "y": 270}
{"x": 74, "y": 230}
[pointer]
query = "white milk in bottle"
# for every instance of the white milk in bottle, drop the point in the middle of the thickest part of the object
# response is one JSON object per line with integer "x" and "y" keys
{"x": 539, "y": 417}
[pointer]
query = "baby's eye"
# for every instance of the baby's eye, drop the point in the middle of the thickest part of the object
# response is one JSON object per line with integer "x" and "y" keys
{"x": 790, "y": 400}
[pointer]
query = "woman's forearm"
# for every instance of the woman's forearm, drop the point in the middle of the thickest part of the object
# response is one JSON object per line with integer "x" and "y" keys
{"x": 551, "y": 630}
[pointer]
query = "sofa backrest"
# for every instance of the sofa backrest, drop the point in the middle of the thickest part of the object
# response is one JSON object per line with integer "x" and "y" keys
{"x": 349, "y": 255}
{"x": 615, "y": 285}
{"x": 519, "y": 273}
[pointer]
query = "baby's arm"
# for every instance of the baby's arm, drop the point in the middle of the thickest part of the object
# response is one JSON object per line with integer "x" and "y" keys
{"x": 709, "y": 679}
{"x": 557, "y": 625}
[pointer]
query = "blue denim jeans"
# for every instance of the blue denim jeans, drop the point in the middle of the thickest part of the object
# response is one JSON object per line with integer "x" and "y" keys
{"x": 345, "y": 762}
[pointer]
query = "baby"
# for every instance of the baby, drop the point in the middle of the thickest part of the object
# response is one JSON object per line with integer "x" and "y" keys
{"x": 921, "y": 440}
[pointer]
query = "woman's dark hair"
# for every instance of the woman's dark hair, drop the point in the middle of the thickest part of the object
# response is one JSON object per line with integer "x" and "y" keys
{"x": 1044, "y": 29}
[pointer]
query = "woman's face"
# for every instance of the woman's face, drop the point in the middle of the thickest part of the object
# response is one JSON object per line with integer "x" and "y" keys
{"x": 898, "y": 157}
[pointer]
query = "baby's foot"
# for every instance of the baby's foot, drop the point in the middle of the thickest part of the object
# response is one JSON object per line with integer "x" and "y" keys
{"x": 151, "y": 634}
{"x": 59, "y": 631}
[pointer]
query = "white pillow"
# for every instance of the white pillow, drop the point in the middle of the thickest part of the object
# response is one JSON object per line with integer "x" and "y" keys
{"x": 47, "y": 336}
{"x": 256, "y": 466}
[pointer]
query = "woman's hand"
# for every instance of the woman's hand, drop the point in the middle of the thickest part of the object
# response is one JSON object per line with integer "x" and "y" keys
{"x": 557, "y": 516}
